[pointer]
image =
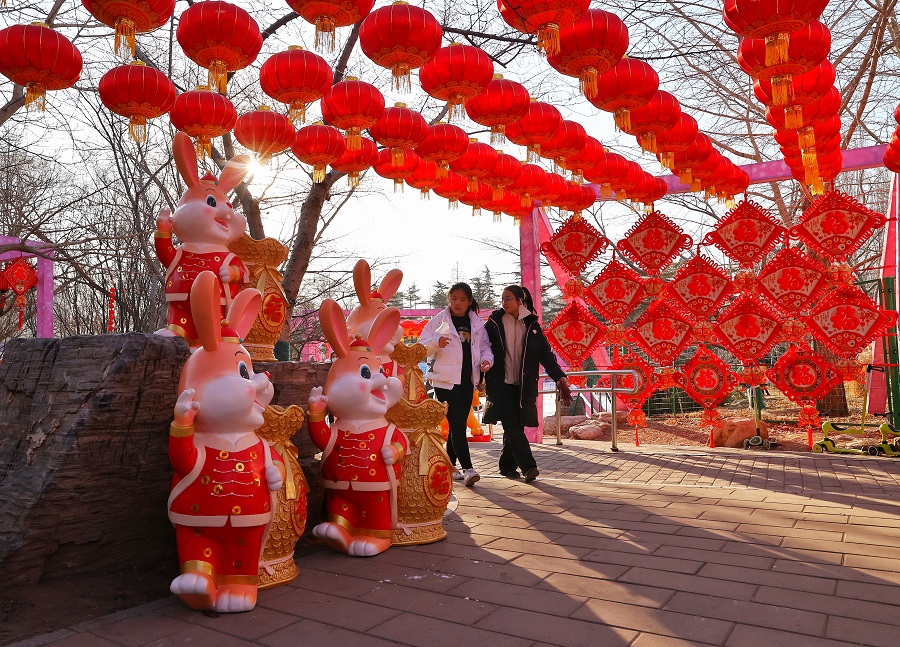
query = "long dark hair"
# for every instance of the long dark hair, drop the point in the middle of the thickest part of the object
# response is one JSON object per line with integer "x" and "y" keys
{"x": 473, "y": 304}
{"x": 522, "y": 293}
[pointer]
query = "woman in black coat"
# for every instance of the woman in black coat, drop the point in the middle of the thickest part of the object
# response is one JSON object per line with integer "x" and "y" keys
{"x": 520, "y": 349}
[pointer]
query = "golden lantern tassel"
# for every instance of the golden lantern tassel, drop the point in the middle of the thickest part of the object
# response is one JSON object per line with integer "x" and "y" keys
{"x": 667, "y": 159}
{"x": 534, "y": 152}
{"x": 218, "y": 76}
{"x": 587, "y": 82}
{"x": 817, "y": 187}
{"x": 324, "y": 32}
{"x": 401, "y": 78}
{"x": 782, "y": 89}
{"x": 318, "y": 173}
{"x": 137, "y": 128}
{"x": 354, "y": 139}
{"x": 685, "y": 176}
{"x": 811, "y": 168}
{"x": 806, "y": 137}
{"x": 453, "y": 204}
{"x": 35, "y": 97}
{"x": 398, "y": 156}
{"x": 497, "y": 193}
{"x": 297, "y": 112}
{"x": 578, "y": 176}
{"x": 476, "y": 211}
{"x": 622, "y": 117}
{"x": 442, "y": 170}
{"x": 472, "y": 184}
{"x": 696, "y": 185}
{"x": 398, "y": 185}
{"x": 517, "y": 219}
{"x": 353, "y": 180}
{"x": 498, "y": 135}
{"x": 203, "y": 146}
{"x": 621, "y": 195}
{"x": 524, "y": 199}
{"x": 576, "y": 216}
{"x": 548, "y": 39}
{"x": 648, "y": 142}
{"x": 124, "y": 43}
{"x": 793, "y": 117}
{"x": 777, "y": 49}
{"x": 729, "y": 202}
{"x": 498, "y": 216}
{"x": 606, "y": 190}
{"x": 425, "y": 194}
{"x": 457, "y": 111}
{"x": 810, "y": 160}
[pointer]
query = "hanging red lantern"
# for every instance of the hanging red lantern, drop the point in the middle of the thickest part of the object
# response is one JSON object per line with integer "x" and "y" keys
{"x": 569, "y": 139}
{"x": 657, "y": 116}
{"x": 318, "y": 145}
{"x": 219, "y": 36}
{"x": 537, "y": 126}
{"x": 771, "y": 20}
{"x": 452, "y": 188}
{"x": 675, "y": 140}
{"x": 503, "y": 102}
{"x": 264, "y": 132}
{"x": 542, "y": 17}
{"x": 575, "y": 245}
{"x": 505, "y": 171}
{"x": 475, "y": 163}
{"x": 388, "y": 168}
{"x": 20, "y": 276}
{"x": 401, "y": 38}
{"x": 683, "y": 162}
{"x": 130, "y": 17}
{"x": 497, "y": 204}
{"x": 825, "y": 108}
{"x": 590, "y": 47}
{"x": 804, "y": 89}
{"x": 328, "y": 14}
{"x": 530, "y": 180}
{"x": 608, "y": 173}
{"x": 203, "y": 116}
{"x": 295, "y": 77}
{"x": 456, "y": 74}
{"x": 632, "y": 182}
{"x": 424, "y": 178}
{"x": 627, "y": 86}
{"x": 708, "y": 173}
{"x": 653, "y": 242}
{"x": 355, "y": 161}
{"x": 653, "y": 189}
{"x": 576, "y": 199}
{"x": 518, "y": 208}
{"x": 550, "y": 190}
{"x": 442, "y": 144}
{"x": 139, "y": 93}
{"x": 589, "y": 157}
{"x": 401, "y": 130}
{"x": 476, "y": 199}
{"x": 352, "y": 106}
{"x": 40, "y": 59}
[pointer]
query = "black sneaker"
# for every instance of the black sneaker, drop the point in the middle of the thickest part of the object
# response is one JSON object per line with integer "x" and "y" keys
{"x": 514, "y": 474}
{"x": 531, "y": 474}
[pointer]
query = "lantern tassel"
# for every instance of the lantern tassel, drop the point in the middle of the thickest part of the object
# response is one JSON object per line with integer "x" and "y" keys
{"x": 587, "y": 82}
{"x": 442, "y": 170}
{"x": 667, "y": 159}
{"x": 648, "y": 142}
{"x": 810, "y": 161}
{"x": 124, "y": 43}
{"x": 793, "y": 117}
{"x": 297, "y": 112}
{"x": 398, "y": 185}
{"x": 203, "y": 146}
{"x": 782, "y": 89}
{"x": 318, "y": 173}
{"x": 621, "y": 194}
{"x": 534, "y": 152}
{"x": 354, "y": 139}
{"x": 548, "y": 39}
{"x": 476, "y": 211}
{"x": 622, "y": 117}
{"x": 35, "y": 97}
{"x": 218, "y": 76}
{"x": 696, "y": 185}
{"x": 472, "y": 184}
{"x": 497, "y": 193}
{"x": 398, "y": 156}
{"x": 806, "y": 138}
{"x": 137, "y": 128}
{"x": 324, "y": 32}
{"x": 456, "y": 109}
{"x": 606, "y": 190}
{"x": 453, "y": 204}
{"x": 425, "y": 194}
{"x": 401, "y": 78}
{"x": 498, "y": 216}
{"x": 498, "y": 135}
{"x": 777, "y": 49}
{"x": 20, "y": 306}
{"x": 353, "y": 180}
{"x": 524, "y": 199}
{"x": 517, "y": 219}
{"x": 685, "y": 176}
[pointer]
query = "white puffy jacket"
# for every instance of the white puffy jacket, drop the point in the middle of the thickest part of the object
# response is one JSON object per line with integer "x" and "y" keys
{"x": 445, "y": 371}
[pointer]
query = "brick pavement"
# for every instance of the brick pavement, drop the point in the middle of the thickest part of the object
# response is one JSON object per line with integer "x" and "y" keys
{"x": 659, "y": 546}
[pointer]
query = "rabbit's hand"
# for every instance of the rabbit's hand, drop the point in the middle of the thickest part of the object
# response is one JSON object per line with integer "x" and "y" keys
{"x": 317, "y": 401}
{"x": 390, "y": 454}
{"x": 164, "y": 221}
{"x": 227, "y": 274}
{"x": 274, "y": 477}
{"x": 186, "y": 408}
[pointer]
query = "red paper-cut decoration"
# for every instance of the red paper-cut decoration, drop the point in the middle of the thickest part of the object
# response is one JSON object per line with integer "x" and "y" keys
{"x": 836, "y": 225}
{"x": 846, "y": 320}
{"x": 746, "y": 234}
{"x": 748, "y": 328}
{"x": 615, "y": 292}
{"x": 661, "y": 332}
{"x": 707, "y": 380}
{"x": 791, "y": 280}
{"x": 575, "y": 245}
{"x": 575, "y": 333}
{"x": 699, "y": 287}
{"x": 20, "y": 276}
{"x": 804, "y": 377}
{"x": 643, "y": 386}
{"x": 653, "y": 242}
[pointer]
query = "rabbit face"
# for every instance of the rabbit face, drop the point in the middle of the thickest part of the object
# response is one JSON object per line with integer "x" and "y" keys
{"x": 205, "y": 215}
{"x": 361, "y": 391}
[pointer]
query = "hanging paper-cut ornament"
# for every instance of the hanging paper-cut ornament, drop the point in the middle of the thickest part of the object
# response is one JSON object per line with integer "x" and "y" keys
{"x": 574, "y": 245}
{"x": 653, "y": 242}
{"x": 748, "y": 328}
{"x": 707, "y": 380}
{"x": 699, "y": 287}
{"x": 575, "y": 333}
{"x": 661, "y": 332}
{"x": 642, "y": 387}
{"x": 746, "y": 234}
{"x": 791, "y": 280}
{"x": 836, "y": 225}
{"x": 20, "y": 276}
{"x": 847, "y": 320}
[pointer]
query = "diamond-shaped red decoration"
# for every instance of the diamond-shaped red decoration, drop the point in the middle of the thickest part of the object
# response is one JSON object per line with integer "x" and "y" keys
{"x": 615, "y": 292}
{"x": 575, "y": 333}
{"x": 706, "y": 378}
{"x": 575, "y": 245}
{"x": 20, "y": 276}
{"x": 791, "y": 280}
{"x": 653, "y": 242}
{"x": 748, "y": 328}
{"x": 803, "y": 376}
{"x": 661, "y": 332}
{"x": 644, "y": 371}
{"x": 746, "y": 234}
{"x": 699, "y": 287}
{"x": 836, "y": 225}
{"x": 846, "y": 320}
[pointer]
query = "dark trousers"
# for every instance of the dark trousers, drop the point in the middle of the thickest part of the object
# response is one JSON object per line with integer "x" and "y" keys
{"x": 459, "y": 404}
{"x": 516, "y": 449}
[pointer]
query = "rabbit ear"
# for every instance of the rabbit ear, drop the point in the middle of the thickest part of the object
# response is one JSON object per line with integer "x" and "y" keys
{"x": 331, "y": 317}
{"x": 234, "y": 172}
{"x": 205, "y": 309}
{"x": 390, "y": 284}
{"x": 243, "y": 311}
{"x": 362, "y": 282}
{"x": 383, "y": 329}
{"x": 185, "y": 159}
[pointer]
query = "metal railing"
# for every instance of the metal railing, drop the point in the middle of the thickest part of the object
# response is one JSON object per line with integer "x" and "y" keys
{"x": 613, "y": 390}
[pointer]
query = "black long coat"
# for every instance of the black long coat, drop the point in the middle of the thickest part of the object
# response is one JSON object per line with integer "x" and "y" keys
{"x": 536, "y": 353}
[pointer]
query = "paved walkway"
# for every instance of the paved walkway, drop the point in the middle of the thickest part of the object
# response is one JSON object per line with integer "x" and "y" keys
{"x": 652, "y": 547}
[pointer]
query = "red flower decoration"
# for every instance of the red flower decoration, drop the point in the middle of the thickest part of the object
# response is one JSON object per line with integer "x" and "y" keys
{"x": 836, "y": 225}
{"x": 699, "y": 287}
{"x": 575, "y": 245}
{"x": 791, "y": 280}
{"x": 653, "y": 242}
{"x": 847, "y": 320}
{"x": 746, "y": 234}
{"x": 748, "y": 328}
{"x": 661, "y": 332}
{"x": 615, "y": 292}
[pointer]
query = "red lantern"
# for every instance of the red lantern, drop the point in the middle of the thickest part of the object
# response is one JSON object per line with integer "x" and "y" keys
{"x": 456, "y": 74}
{"x": 220, "y": 37}
{"x": 574, "y": 245}
{"x": 503, "y": 102}
{"x": 803, "y": 89}
{"x": 476, "y": 163}
{"x": 691, "y": 157}
{"x": 452, "y": 188}
{"x": 632, "y": 182}
{"x": 608, "y": 173}
{"x": 388, "y": 168}
{"x": 710, "y": 171}
{"x": 569, "y": 139}
{"x": 328, "y": 14}
{"x": 264, "y": 132}
{"x": 139, "y": 93}
{"x": 655, "y": 117}
{"x": 530, "y": 181}
{"x": 589, "y": 47}
{"x": 443, "y": 144}
{"x": 552, "y": 188}
{"x": 576, "y": 199}
{"x": 675, "y": 140}
{"x": 40, "y": 59}
{"x": 400, "y": 37}
{"x": 628, "y": 85}
{"x": 537, "y": 127}
{"x": 401, "y": 130}
{"x": 203, "y": 115}
{"x": 772, "y": 20}
{"x": 542, "y": 17}
{"x": 295, "y": 77}
{"x": 424, "y": 177}
{"x": 355, "y": 161}
{"x": 353, "y": 106}
{"x": 589, "y": 157}
{"x": 130, "y": 17}
{"x": 653, "y": 242}
{"x": 518, "y": 208}
{"x": 823, "y": 109}
{"x": 318, "y": 145}
{"x": 503, "y": 173}
{"x": 498, "y": 204}
{"x": 478, "y": 198}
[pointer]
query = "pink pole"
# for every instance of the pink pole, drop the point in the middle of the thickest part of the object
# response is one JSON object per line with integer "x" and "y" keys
{"x": 530, "y": 263}
{"x": 889, "y": 261}
{"x": 44, "y": 285}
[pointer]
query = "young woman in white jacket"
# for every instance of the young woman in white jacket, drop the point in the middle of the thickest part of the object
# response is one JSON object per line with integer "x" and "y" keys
{"x": 458, "y": 343}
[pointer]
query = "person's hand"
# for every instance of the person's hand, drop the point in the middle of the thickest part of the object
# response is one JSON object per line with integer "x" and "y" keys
{"x": 565, "y": 396}
{"x": 485, "y": 366}
{"x": 443, "y": 341}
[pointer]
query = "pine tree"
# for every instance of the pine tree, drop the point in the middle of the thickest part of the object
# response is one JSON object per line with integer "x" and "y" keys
{"x": 438, "y": 295}
{"x": 398, "y": 299}
{"x": 412, "y": 296}
{"x": 488, "y": 300}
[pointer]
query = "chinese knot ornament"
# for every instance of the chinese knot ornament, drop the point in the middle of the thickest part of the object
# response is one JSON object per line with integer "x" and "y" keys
{"x": 575, "y": 245}
{"x": 653, "y": 242}
{"x": 846, "y": 320}
{"x": 615, "y": 292}
{"x": 575, "y": 333}
{"x": 707, "y": 380}
{"x": 746, "y": 234}
{"x": 748, "y": 328}
{"x": 791, "y": 280}
{"x": 836, "y": 225}
{"x": 699, "y": 287}
{"x": 641, "y": 386}
{"x": 19, "y": 277}
{"x": 661, "y": 332}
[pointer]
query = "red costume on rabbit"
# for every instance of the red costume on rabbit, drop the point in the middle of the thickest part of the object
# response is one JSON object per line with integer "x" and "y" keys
{"x": 222, "y": 497}
{"x": 371, "y": 303}
{"x": 206, "y": 224}
{"x": 362, "y": 452}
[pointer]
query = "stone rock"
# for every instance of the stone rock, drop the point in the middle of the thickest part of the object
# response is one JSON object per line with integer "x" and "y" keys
{"x": 591, "y": 430}
{"x": 564, "y": 422}
{"x": 606, "y": 416}
{"x": 735, "y": 431}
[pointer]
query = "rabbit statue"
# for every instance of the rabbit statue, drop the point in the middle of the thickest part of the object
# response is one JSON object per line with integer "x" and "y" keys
{"x": 226, "y": 477}
{"x": 371, "y": 303}
{"x": 206, "y": 224}
{"x": 362, "y": 452}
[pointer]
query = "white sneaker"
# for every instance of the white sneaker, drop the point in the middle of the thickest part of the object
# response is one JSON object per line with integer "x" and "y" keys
{"x": 458, "y": 475}
{"x": 470, "y": 477}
